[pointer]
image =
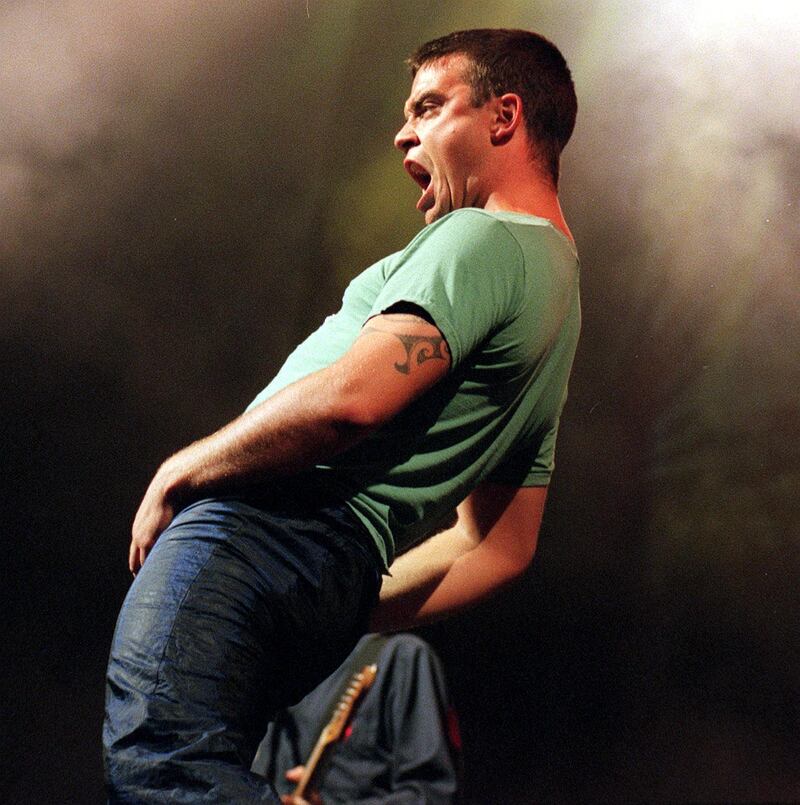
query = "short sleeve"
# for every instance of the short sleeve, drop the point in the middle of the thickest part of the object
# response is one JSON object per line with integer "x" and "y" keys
{"x": 466, "y": 271}
{"x": 531, "y": 464}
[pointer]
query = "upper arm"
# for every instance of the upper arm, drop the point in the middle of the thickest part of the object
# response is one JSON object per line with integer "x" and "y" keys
{"x": 504, "y": 521}
{"x": 396, "y": 358}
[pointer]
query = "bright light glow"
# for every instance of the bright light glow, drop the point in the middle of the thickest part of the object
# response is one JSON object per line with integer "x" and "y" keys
{"x": 739, "y": 19}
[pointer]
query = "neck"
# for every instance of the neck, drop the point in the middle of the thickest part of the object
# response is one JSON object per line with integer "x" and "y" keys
{"x": 531, "y": 198}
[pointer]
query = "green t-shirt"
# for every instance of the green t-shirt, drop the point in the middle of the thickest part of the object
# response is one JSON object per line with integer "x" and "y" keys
{"x": 503, "y": 289}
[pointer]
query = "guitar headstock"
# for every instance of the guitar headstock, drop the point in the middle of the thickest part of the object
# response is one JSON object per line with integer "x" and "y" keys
{"x": 359, "y": 683}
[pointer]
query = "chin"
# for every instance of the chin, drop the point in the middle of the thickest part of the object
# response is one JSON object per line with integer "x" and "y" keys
{"x": 434, "y": 214}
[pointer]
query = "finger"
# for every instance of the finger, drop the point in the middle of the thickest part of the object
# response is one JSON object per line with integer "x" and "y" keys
{"x": 133, "y": 558}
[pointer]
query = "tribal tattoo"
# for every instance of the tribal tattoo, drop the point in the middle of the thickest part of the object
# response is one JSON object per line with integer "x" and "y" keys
{"x": 419, "y": 348}
{"x": 423, "y": 348}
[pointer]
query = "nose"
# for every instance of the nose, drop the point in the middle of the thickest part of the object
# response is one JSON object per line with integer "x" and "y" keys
{"x": 406, "y": 138}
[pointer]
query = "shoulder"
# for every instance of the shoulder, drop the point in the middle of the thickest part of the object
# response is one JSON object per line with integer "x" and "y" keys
{"x": 470, "y": 235}
{"x": 469, "y": 223}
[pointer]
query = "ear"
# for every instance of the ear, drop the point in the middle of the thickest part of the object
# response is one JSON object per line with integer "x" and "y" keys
{"x": 507, "y": 117}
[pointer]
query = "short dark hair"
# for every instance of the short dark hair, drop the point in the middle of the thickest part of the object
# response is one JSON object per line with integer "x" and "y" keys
{"x": 509, "y": 60}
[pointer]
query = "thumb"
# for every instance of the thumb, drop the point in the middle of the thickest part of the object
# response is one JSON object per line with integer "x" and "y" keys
{"x": 294, "y": 775}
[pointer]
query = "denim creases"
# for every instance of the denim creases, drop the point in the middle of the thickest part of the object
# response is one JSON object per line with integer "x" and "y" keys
{"x": 237, "y": 612}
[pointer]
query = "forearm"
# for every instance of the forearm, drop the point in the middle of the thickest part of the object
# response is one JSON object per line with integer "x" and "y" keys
{"x": 444, "y": 574}
{"x": 288, "y": 433}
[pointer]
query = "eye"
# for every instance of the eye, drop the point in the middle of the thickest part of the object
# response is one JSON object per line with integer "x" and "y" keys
{"x": 424, "y": 107}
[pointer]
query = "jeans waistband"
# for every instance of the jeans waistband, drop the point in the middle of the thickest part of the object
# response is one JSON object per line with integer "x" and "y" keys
{"x": 305, "y": 496}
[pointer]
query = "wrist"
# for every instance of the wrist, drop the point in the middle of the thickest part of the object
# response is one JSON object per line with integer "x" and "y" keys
{"x": 171, "y": 484}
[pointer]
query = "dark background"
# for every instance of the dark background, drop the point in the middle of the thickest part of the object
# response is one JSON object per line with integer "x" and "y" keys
{"x": 185, "y": 190}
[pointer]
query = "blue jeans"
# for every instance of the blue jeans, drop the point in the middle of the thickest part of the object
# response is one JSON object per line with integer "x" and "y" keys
{"x": 239, "y": 610}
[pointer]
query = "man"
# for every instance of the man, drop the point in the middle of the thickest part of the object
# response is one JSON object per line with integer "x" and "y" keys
{"x": 400, "y": 745}
{"x": 438, "y": 385}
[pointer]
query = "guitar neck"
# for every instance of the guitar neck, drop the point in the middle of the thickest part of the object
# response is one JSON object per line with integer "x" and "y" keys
{"x": 333, "y": 730}
{"x": 311, "y": 766}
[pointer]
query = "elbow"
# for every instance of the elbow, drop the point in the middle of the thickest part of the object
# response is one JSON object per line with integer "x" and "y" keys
{"x": 349, "y": 426}
{"x": 364, "y": 419}
{"x": 360, "y": 414}
{"x": 506, "y": 570}
{"x": 512, "y": 565}
{"x": 348, "y": 409}
{"x": 525, "y": 558}
{"x": 516, "y": 568}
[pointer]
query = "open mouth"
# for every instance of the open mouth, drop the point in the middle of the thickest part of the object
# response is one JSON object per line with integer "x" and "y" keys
{"x": 418, "y": 174}
{"x": 423, "y": 179}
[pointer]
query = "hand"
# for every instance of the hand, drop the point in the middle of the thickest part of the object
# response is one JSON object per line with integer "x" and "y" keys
{"x": 294, "y": 775}
{"x": 154, "y": 515}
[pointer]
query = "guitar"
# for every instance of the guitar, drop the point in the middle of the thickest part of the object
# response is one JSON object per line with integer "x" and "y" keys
{"x": 332, "y": 731}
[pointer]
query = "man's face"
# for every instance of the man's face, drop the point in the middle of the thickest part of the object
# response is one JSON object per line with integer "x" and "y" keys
{"x": 445, "y": 139}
